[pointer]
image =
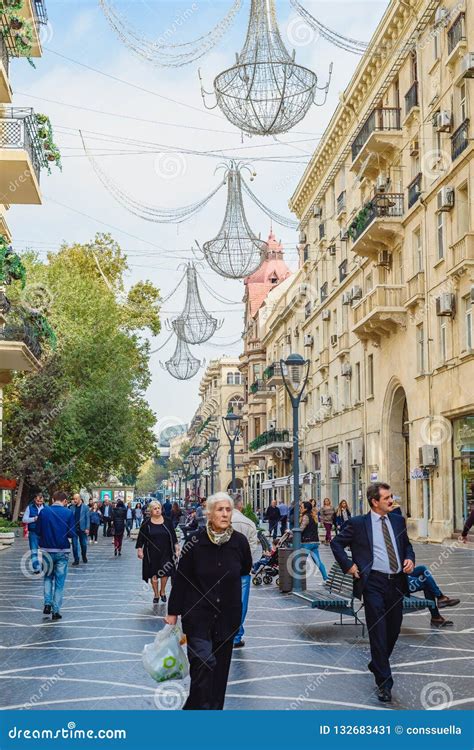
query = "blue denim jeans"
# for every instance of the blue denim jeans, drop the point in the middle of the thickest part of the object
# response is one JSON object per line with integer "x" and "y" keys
{"x": 33, "y": 540}
{"x": 421, "y": 580}
{"x": 55, "y": 578}
{"x": 313, "y": 549}
{"x": 79, "y": 539}
{"x": 245, "y": 580}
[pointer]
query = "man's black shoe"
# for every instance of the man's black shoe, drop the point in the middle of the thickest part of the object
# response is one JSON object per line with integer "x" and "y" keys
{"x": 84, "y": 559}
{"x": 239, "y": 644}
{"x": 56, "y": 616}
{"x": 76, "y": 562}
{"x": 384, "y": 694}
{"x": 47, "y": 609}
{"x": 37, "y": 572}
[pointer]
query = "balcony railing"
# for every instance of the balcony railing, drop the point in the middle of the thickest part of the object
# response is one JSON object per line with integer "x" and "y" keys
{"x": 459, "y": 140}
{"x": 4, "y": 58}
{"x": 414, "y": 190}
{"x": 22, "y": 332}
{"x": 269, "y": 437}
{"x": 411, "y": 97}
{"x": 273, "y": 370}
{"x": 19, "y": 130}
{"x": 382, "y": 205}
{"x": 39, "y": 9}
{"x": 386, "y": 118}
{"x": 461, "y": 254}
{"x": 341, "y": 202}
{"x": 456, "y": 33}
{"x": 257, "y": 385}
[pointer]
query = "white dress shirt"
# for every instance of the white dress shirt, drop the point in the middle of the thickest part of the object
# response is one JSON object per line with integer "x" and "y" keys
{"x": 381, "y": 561}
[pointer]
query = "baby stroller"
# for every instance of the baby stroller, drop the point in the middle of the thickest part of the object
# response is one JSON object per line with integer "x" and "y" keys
{"x": 266, "y": 569}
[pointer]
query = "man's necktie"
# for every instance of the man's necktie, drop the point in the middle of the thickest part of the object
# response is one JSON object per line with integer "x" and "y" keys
{"x": 392, "y": 557}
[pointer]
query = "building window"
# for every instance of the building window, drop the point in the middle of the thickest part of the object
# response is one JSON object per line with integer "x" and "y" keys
{"x": 230, "y": 378}
{"x": 440, "y": 234}
{"x": 237, "y": 378}
{"x": 463, "y": 101}
{"x": 462, "y": 203}
{"x": 417, "y": 250}
{"x": 436, "y": 44}
{"x": 467, "y": 323}
{"x": 420, "y": 349}
{"x": 357, "y": 382}
{"x": 443, "y": 347}
{"x": 370, "y": 375}
{"x": 368, "y": 283}
{"x": 235, "y": 405}
{"x": 347, "y": 393}
{"x": 336, "y": 394}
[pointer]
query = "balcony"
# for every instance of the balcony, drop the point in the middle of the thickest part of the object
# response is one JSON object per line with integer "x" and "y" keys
{"x": 461, "y": 255}
{"x": 21, "y": 156}
{"x": 260, "y": 391}
{"x": 4, "y": 228}
{"x": 414, "y": 190}
{"x": 380, "y": 313}
{"x": 272, "y": 374}
{"x": 34, "y": 13}
{"x": 5, "y": 88}
{"x": 456, "y": 38}
{"x": 323, "y": 360}
{"x": 415, "y": 290}
{"x": 377, "y": 223}
{"x": 270, "y": 442}
{"x": 460, "y": 140}
{"x": 411, "y": 99}
{"x": 20, "y": 349}
{"x": 379, "y": 135}
{"x": 343, "y": 345}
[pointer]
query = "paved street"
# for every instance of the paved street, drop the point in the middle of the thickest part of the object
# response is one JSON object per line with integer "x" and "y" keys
{"x": 295, "y": 657}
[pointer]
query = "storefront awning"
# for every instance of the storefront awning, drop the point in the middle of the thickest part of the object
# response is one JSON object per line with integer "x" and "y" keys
{"x": 269, "y": 484}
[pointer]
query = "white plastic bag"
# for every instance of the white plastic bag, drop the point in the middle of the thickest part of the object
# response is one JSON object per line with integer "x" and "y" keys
{"x": 165, "y": 659}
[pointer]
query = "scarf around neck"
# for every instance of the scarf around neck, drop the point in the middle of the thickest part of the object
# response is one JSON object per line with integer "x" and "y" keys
{"x": 219, "y": 537}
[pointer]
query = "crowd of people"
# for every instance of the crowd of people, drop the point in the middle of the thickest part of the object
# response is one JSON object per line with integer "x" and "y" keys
{"x": 208, "y": 550}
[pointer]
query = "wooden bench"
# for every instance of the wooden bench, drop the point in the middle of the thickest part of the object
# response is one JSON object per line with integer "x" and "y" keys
{"x": 337, "y": 596}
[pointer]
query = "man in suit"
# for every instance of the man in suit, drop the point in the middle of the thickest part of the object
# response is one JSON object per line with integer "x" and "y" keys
{"x": 82, "y": 519}
{"x": 382, "y": 558}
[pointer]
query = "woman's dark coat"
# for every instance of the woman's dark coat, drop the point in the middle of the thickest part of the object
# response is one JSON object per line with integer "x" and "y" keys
{"x": 144, "y": 541}
{"x": 207, "y": 590}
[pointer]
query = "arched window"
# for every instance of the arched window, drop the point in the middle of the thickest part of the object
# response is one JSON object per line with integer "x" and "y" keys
{"x": 237, "y": 378}
{"x": 235, "y": 405}
{"x": 230, "y": 378}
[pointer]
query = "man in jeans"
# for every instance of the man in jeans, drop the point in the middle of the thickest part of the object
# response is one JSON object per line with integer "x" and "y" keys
{"x": 246, "y": 527}
{"x": 55, "y": 526}
{"x": 30, "y": 517}
{"x": 82, "y": 516}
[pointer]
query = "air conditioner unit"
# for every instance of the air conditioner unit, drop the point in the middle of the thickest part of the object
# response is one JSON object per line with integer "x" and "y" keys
{"x": 346, "y": 370}
{"x": 343, "y": 235}
{"x": 346, "y": 298}
{"x": 414, "y": 147}
{"x": 334, "y": 471}
{"x": 272, "y": 424}
{"x": 356, "y": 292}
{"x": 446, "y": 199}
{"x": 443, "y": 121}
{"x": 357, "y": 450}
{"x": 317, "y": 212}
{"x": 381, "y": 183}
{"x": 332, "y": 250}
{"x": 303, "y": 290}
{"x": 326, "y": 314}
{"x": 441, "y": 16}
{"x": 326, "y": 401}
{"x": 446, "y": 304}
{"x": 384, "y": 258}
{"x": 308, "y": 339}
{"x": 333, "y": 339}
{"x": 428, "y": 455}
{"x": 467, "y": 65}
{"x": 302, "y": 237}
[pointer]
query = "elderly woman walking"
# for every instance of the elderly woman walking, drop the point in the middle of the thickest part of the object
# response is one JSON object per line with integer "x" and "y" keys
{"x": 157, "y": 546}
{"x": 207, "y": 594}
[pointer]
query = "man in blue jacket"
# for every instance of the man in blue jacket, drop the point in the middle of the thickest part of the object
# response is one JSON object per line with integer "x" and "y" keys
{"x": 83, "y": 521}
{"x": 30, "y": 517}
{"x": 382, "y": 558}
{"x": 55, "y": 526}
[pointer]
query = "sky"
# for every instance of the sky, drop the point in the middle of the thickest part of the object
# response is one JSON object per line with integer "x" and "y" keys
{"x": 88, "y": 81}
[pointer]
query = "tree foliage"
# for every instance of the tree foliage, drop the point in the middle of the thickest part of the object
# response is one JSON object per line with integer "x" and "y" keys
{"x": 86, "y": 408}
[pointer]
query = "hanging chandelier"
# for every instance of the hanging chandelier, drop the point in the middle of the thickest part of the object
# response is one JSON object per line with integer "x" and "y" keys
{"x": 265, "y": 92}
{"x": 236, "y": 252}
{"x": 182, "y": 365}
{"x": 194, "y": 325}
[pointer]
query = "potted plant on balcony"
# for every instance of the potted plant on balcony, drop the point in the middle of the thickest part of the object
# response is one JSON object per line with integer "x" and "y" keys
{"x": 359, "y": 223}
{"x": 11, "y": 267}
{"x": 10, "y": 5}
{"x": 45, "y": 132}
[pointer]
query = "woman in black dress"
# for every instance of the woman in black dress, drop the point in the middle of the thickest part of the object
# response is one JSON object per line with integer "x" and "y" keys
{"x": 157, "y": 547}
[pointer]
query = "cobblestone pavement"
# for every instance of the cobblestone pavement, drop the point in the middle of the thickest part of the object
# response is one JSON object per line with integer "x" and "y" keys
{"x": 294, "y": 657}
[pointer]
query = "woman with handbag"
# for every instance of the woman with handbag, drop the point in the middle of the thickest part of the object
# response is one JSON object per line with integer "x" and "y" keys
{"x": 157, "y": 547}
{"x": 207, "y": 593}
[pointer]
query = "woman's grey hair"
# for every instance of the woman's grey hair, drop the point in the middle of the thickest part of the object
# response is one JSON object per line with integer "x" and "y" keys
{"x": 218, "y": 497}
{"x": 154, "y": 504}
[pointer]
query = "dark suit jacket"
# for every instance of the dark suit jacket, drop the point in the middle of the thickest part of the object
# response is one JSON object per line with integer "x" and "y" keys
{"x": 207, "y": 590}
{"x": 357, "y": 534}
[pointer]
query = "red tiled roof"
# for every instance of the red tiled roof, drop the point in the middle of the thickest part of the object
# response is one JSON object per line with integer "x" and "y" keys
{"x": 272, "y": 271}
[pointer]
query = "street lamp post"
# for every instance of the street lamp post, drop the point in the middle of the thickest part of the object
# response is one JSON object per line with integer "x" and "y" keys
{"x": 212, "y": 450}
{"x": 195, "y": 457}
{"x": 179, "y": 474}
{"x": 186, "y": 468}
{"x": 232, "y": 429}
{"x": 295, "y": 371}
